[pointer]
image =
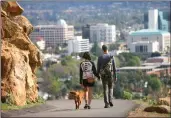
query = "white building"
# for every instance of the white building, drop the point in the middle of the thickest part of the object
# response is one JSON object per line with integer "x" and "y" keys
{"x": 102, "y": 33}
{"x": 144, "y": 47}
{"x": 78, "y": 45}
{"x": 40, "y": 43}
{"x": 148, "y": 40}
{"x": 153, "y": 19}
{"x": 117, "y": 52}
{"x": 53, "y": 34}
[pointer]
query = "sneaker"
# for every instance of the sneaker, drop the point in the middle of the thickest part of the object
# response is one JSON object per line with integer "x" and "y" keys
{"x": 89, "y": 107}
{"x": 86, "y": 106}
{"x": 111, "y": 104}
{"x": 106, "y": 106}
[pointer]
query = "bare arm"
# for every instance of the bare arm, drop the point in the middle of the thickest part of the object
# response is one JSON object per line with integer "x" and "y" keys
{"x": 98, "y": 66}
{"x": 94, "y": 70}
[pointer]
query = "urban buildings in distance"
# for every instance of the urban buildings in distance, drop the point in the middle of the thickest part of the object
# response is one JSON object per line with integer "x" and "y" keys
{"x": 54, "y": 34}
{"x": 102, "y": 33}
{"x": 148, "y": 41}
{"x": 156, "y": 19}
{"x": 40, "y": 42}
{"x": 86, "y": 31}
{"x": 78, "y": 45}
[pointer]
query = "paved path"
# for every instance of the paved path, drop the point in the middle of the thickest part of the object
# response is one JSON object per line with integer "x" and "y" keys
{"x": 66, "y": 108}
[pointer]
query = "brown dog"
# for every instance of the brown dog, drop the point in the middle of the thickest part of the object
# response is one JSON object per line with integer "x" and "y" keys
{"x": 78, "y": 96}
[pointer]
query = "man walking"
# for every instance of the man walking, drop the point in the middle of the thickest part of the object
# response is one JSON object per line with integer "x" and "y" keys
{"x": 107, "y": 71}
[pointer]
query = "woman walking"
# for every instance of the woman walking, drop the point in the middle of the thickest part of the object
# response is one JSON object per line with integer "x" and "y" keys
{"x": 87, "y": 80}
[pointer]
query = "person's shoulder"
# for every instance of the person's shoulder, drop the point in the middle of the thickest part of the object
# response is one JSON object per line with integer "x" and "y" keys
{"x": 82, "y": 62}
{"x": 100, "y": 56}
{"x": 92, "y": 62}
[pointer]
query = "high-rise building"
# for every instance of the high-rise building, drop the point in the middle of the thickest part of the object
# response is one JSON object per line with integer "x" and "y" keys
{"x": 163, "y": 21}
{"x": 78, "y": 45}
{"x": 53, "y": 34}
{"x": 155, "y": 19}
{"x": 102, "y": 33}
{"x": 86, "y": 32}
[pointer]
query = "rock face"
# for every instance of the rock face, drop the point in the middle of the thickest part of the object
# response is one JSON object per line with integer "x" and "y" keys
{"x": 19, "y": 57}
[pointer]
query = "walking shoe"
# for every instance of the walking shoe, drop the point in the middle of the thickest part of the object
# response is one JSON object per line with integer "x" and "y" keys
{"x": 86, "y": 106}
{"x": 89, "y": 107}
{"x": 106, "y": 106}
{"x": 111, "y": 104}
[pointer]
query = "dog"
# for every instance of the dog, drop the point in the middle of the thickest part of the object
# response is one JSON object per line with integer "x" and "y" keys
{"x": 78, "y": 96}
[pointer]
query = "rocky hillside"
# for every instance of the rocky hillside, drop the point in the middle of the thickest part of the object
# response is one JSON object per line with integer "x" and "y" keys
{"x": 19, "y": 56}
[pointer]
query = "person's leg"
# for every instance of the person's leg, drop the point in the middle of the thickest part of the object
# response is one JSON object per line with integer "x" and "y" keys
{"x": 86, "y": 96}
{"x": 89, "y": 95}
{"x": 105, "y": 92}
{"x": 110, "y": 88}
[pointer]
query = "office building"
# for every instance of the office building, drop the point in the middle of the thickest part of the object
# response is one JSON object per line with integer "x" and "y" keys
{"x": 102, "y": 33}
{"x": 148, "y": 40}
{"x": 53, "y": 34}
{"x": 155, "y": 19}
{"x": 86, "y": 32}
{"x": 78, "y": 45}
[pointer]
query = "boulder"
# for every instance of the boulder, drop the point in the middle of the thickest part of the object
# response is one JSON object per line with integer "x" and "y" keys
{"x": 11, "y": 8}
{"x": 158, "y": 109}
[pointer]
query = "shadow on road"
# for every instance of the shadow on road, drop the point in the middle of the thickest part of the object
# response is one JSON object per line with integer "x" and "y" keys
{"x": 59, "y": 110}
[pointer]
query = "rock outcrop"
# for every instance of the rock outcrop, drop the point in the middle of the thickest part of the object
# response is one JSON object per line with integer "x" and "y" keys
{"x": 163, "y": 105}
{"x": 158, "y": 109}
{"x": 19, "y": 57}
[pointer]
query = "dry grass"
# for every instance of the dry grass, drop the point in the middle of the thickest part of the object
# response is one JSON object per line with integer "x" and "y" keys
{"x": 140, "y": 113}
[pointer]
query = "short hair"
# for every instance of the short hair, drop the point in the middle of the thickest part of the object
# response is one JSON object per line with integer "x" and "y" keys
{"x": 86, "y": 55}
{"x": 104, "y": 48}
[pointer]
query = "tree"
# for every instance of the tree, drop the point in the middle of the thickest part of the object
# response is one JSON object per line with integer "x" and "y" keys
{"x": 169, "y": 82}
{"x": 131, "y": 62}
{"x": 55, "y": 86}
{"x": 118, "y": 91}
{"x": 155, "y": 83}
{"x": 96, "y": 50}
{"x": 113, "y": 46}
{"x": 117, "y": 62}
{"x": 128, "y": 59}
{"x": 137, "y": 59}
{"x": 57, "y": 49}
{"x": 64, "y": 62}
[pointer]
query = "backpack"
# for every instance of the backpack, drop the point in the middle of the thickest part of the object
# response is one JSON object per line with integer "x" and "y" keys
{"x": 107, "y": 69}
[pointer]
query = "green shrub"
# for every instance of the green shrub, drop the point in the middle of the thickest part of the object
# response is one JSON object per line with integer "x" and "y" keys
{"x": 127, "y": 95}
{"x": 152, "y": 102}
{"x": 145, "y": 99}
{"x": 40, "y": 100}
{"x": 118, "y": 92}
{"x": 136, "y": 96}
{"x": 98, "y": 96}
